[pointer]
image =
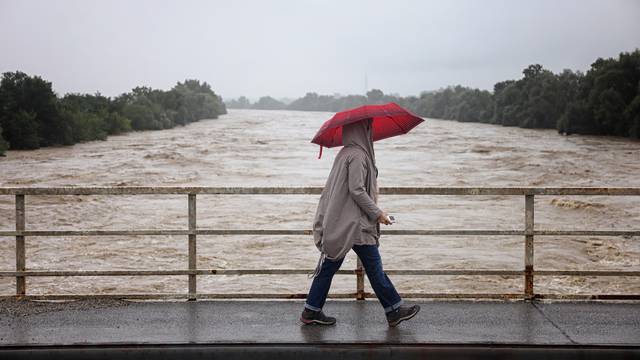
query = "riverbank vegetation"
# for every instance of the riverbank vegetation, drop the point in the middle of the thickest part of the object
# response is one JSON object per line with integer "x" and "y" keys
{"x": 33, "y": 116}
{"x": 603, "y": 101}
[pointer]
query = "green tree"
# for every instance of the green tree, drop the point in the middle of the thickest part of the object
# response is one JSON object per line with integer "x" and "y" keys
{"x": 115, "y": 123}
{"x": 375, "y": 96}
{"x": 606, "y": 98}
{"x": 632, "y": 113}
{"x": 197, "y": 101}
{"x": 269, "y": 103}
{"x": 309, "y": 102}
{"x": 86, "y": 126}
{"x": 241, "y": 103}
{"x": 577, "y": 119}
{"x": 22, "y": 130}
{"x": 33, "y": 95}
{"x": 4, "y": 145}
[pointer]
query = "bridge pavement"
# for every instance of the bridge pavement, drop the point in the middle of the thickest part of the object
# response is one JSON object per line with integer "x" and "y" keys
{"x": 472, "y": 324}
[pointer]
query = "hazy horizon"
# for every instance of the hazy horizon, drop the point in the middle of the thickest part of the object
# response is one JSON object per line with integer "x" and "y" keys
{"x": 287, "y": 48}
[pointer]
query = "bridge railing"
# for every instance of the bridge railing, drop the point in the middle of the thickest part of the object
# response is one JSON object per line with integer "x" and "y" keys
{"x": 528, "y": 232}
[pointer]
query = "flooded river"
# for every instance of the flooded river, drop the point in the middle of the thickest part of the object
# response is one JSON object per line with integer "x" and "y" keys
{"x": 271, "y": 148}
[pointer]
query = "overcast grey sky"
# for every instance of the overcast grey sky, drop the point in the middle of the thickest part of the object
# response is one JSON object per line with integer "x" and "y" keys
{"x": 286, "y": 48}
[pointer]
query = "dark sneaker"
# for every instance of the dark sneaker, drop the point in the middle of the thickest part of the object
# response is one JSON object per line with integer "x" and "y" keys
{"x": 316, "y": 317}
{"x": 402, "y": 313}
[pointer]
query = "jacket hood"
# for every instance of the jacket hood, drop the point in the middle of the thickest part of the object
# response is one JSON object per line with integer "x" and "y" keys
{"x": 360, "y": 134}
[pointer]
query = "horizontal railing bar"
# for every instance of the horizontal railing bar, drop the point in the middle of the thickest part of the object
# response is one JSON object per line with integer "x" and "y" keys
{"x": 251, "y": 232}
{"x": 459, "y": 295}
{"x": 160, "y": 190}
{"x": 247, "y": 272}
{"x": 308, "y": 232}
{"x": 269, "y": 296}
{"x": 589, "y": 296}
{"x": 587, "y": 232}
{"x": 150, "y": 296}
{"x": 151, "y": 190}
{"x": 518, "y": 296}
{"x": 261, "y": 296}
{"x": 242, "y": 232}
{"x": 585, "y": 273}
{"x": 455, "y": 272}
{"x": 333, "y": 296}
{"x": 93, "y": 232}
{"x": 449, "y": 272}
{"x": 509, "y": 191}
{"x": 96, "y": 273}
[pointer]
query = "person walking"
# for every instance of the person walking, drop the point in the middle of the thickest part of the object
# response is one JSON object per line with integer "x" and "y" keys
{"x": 348, "y": 218}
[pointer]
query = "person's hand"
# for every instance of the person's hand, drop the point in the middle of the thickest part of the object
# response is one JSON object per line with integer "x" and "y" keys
{"x": 384, "y": 219}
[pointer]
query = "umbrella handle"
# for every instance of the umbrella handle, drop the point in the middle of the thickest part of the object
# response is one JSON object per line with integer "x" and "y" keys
{"x": 320, "y": 155}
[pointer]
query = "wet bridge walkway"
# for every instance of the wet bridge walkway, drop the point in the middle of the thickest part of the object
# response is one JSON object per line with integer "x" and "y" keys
{"x": 91, "y": 329}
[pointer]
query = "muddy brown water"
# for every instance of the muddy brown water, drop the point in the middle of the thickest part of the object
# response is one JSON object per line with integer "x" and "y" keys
{"x": 271, "y": 148}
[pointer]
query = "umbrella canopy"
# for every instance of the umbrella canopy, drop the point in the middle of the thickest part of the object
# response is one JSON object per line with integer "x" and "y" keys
{"x": 388, "y": 120}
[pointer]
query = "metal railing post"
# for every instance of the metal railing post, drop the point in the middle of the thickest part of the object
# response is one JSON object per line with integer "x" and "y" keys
{"x": 21, "y": 284}
{"x": 192, "y": 246}
{"x": 528, "y": 247}
{"x": 359, "y": 281}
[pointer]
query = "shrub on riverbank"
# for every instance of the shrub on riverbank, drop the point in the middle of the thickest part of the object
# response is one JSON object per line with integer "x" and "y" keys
{"x": 32, "y": 115}
{"x": 4, "y": 145}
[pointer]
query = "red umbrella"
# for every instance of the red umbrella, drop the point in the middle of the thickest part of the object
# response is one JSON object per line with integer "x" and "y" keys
{"x": 388, "y": 120}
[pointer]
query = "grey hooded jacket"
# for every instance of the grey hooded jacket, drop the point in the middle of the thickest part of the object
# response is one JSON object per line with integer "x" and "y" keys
{"x": 347, "y": 211}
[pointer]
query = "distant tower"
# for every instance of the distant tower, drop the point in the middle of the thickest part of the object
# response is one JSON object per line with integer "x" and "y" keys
{"x": 366, "y": 83}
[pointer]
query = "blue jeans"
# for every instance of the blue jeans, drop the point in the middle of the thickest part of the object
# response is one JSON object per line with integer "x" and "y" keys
{"x": 370, "y": 257}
